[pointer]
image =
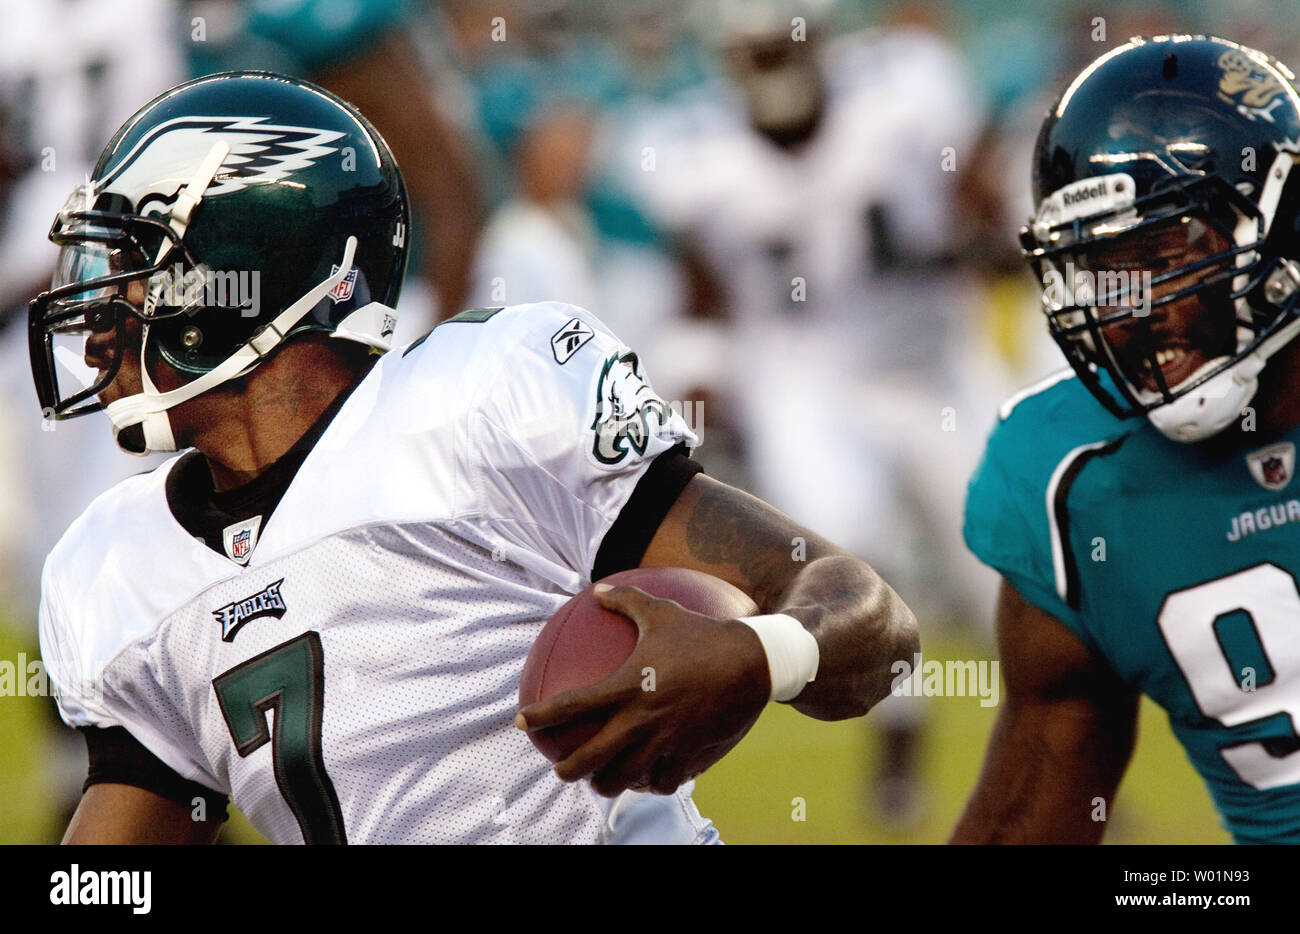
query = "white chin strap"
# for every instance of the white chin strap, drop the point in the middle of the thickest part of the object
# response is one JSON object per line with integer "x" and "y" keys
{"x": 1217, "y": 403}
{"x": 149, "y": 408}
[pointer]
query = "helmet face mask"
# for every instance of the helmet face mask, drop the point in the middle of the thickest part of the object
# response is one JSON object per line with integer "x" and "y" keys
{"x": 101, "y": 253}
{"x": 1167, "y": 280}
{"x": 228, "y": 215}
{"x": 1123, "y": 288}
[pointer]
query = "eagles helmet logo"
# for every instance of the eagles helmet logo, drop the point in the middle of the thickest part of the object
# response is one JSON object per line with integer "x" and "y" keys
{"x": 628, "y": 412}
{"x": 259, "y": 153}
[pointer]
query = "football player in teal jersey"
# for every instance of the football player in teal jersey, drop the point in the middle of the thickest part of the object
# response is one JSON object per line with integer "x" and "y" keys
{"x": 1141, "y": 505}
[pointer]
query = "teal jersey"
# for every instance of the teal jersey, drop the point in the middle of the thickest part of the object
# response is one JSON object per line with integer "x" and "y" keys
{"x": 1177, "y": 564}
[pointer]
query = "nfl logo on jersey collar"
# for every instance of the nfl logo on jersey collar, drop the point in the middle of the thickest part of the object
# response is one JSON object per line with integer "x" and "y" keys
{"x": 240, "y": 539}
{"x": 1273, "y": 466}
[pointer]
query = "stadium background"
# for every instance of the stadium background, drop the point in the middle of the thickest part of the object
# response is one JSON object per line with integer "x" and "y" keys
{"x": 523, "y": 139}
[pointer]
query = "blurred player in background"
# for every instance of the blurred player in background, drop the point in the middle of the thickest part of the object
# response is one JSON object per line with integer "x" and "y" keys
{"x": 1140, "y": 506}
{"x": 561, "y": 106}
{"x": 70, "y": 70}
{"x": 69, "y": 73}
{"x": 542, "y": 241}
{"x": 821, "y": 204}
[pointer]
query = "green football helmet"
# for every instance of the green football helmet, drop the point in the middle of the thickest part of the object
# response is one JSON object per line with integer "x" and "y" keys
{"x": 253, "y": 207}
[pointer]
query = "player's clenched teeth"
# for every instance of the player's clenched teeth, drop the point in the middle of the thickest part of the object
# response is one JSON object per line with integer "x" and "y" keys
{"x": 1176, "y": 364}
{"x": 1169, "y": 355}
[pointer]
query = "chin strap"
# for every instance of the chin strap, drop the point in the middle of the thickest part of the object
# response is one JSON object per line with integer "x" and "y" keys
{"x": 149, "y": 408}
{"x": 1213, "y": 406}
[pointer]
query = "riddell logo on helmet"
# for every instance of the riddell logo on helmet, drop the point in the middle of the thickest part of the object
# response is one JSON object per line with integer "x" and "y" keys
{"x": 200, "y": 287}
{"x": 1086, "y": 197}
{"x": 1071, "y": 198}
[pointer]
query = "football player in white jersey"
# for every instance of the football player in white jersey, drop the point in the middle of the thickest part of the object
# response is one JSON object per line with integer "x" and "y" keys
{"x": 367, "y": 544}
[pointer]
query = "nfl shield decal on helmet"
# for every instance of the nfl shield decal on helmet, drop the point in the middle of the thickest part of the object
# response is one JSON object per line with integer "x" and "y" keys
{"x": 1272, "y": 466}
{"x": 343, "y": 291}
{"x": 240, "y": 539}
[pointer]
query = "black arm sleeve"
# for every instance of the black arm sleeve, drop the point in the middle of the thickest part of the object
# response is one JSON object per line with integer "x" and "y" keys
{"x": 656, "y": 491}
{"x": 118, "y": 757}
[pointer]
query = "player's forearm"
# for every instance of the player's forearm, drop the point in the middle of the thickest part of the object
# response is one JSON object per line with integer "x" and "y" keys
{"x": 1048, "y": 778}
{"x": 862, "y": 627}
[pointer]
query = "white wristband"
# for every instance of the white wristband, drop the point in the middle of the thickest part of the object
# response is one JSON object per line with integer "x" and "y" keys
{"x": 792, "y": 652}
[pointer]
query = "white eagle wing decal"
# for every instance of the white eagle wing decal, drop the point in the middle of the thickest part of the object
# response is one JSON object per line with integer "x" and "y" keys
{"x": 161, "y": 163}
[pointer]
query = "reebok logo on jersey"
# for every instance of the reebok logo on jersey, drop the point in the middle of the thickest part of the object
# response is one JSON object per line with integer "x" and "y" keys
{"x": 569, "y": 339}
{"x": 233, "y": 616}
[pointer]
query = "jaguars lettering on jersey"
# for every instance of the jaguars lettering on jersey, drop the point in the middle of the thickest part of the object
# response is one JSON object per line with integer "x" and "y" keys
{"x": 1177, "y": 564}
{"x": 449, "y": 509}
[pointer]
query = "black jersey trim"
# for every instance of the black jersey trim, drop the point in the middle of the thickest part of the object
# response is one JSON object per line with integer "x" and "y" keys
{"x": 1069, "y": 592}
{"x": 119, "y": 758}
{"x": 628, "y": 538}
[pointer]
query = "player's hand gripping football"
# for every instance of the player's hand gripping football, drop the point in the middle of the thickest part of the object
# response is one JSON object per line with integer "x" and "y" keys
{"x": 691, "y": 688}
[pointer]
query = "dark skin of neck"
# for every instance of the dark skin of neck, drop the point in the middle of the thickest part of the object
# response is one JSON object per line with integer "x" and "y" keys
{"x": 246, "y": 425}
{"x": 244, "y": 431}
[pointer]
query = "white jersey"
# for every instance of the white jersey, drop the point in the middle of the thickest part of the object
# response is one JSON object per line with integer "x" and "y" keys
{"x": 456, "y": 500}
{"x": 786, "y": 232}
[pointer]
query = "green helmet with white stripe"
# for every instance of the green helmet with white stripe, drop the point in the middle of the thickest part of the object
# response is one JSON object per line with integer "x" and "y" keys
{"x": 252, "y": 207}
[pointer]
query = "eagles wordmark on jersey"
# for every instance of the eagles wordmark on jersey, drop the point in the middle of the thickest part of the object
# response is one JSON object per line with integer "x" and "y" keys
{"x": 447, "y": 506}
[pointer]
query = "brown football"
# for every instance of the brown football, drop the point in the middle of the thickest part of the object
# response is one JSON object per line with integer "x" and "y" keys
{"x": 584, "y": 643}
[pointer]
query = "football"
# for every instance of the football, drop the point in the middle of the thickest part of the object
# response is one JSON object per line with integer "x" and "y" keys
{"x": 584, "y": 643}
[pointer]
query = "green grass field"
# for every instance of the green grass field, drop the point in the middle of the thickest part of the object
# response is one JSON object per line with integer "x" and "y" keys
{"x": 749, "y": 794}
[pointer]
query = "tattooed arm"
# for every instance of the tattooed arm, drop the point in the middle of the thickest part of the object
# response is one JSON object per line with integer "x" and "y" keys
{"x": 712, "y": 678}
{"x": 1063, "y": 737}
{"x": 861, "y": 625}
